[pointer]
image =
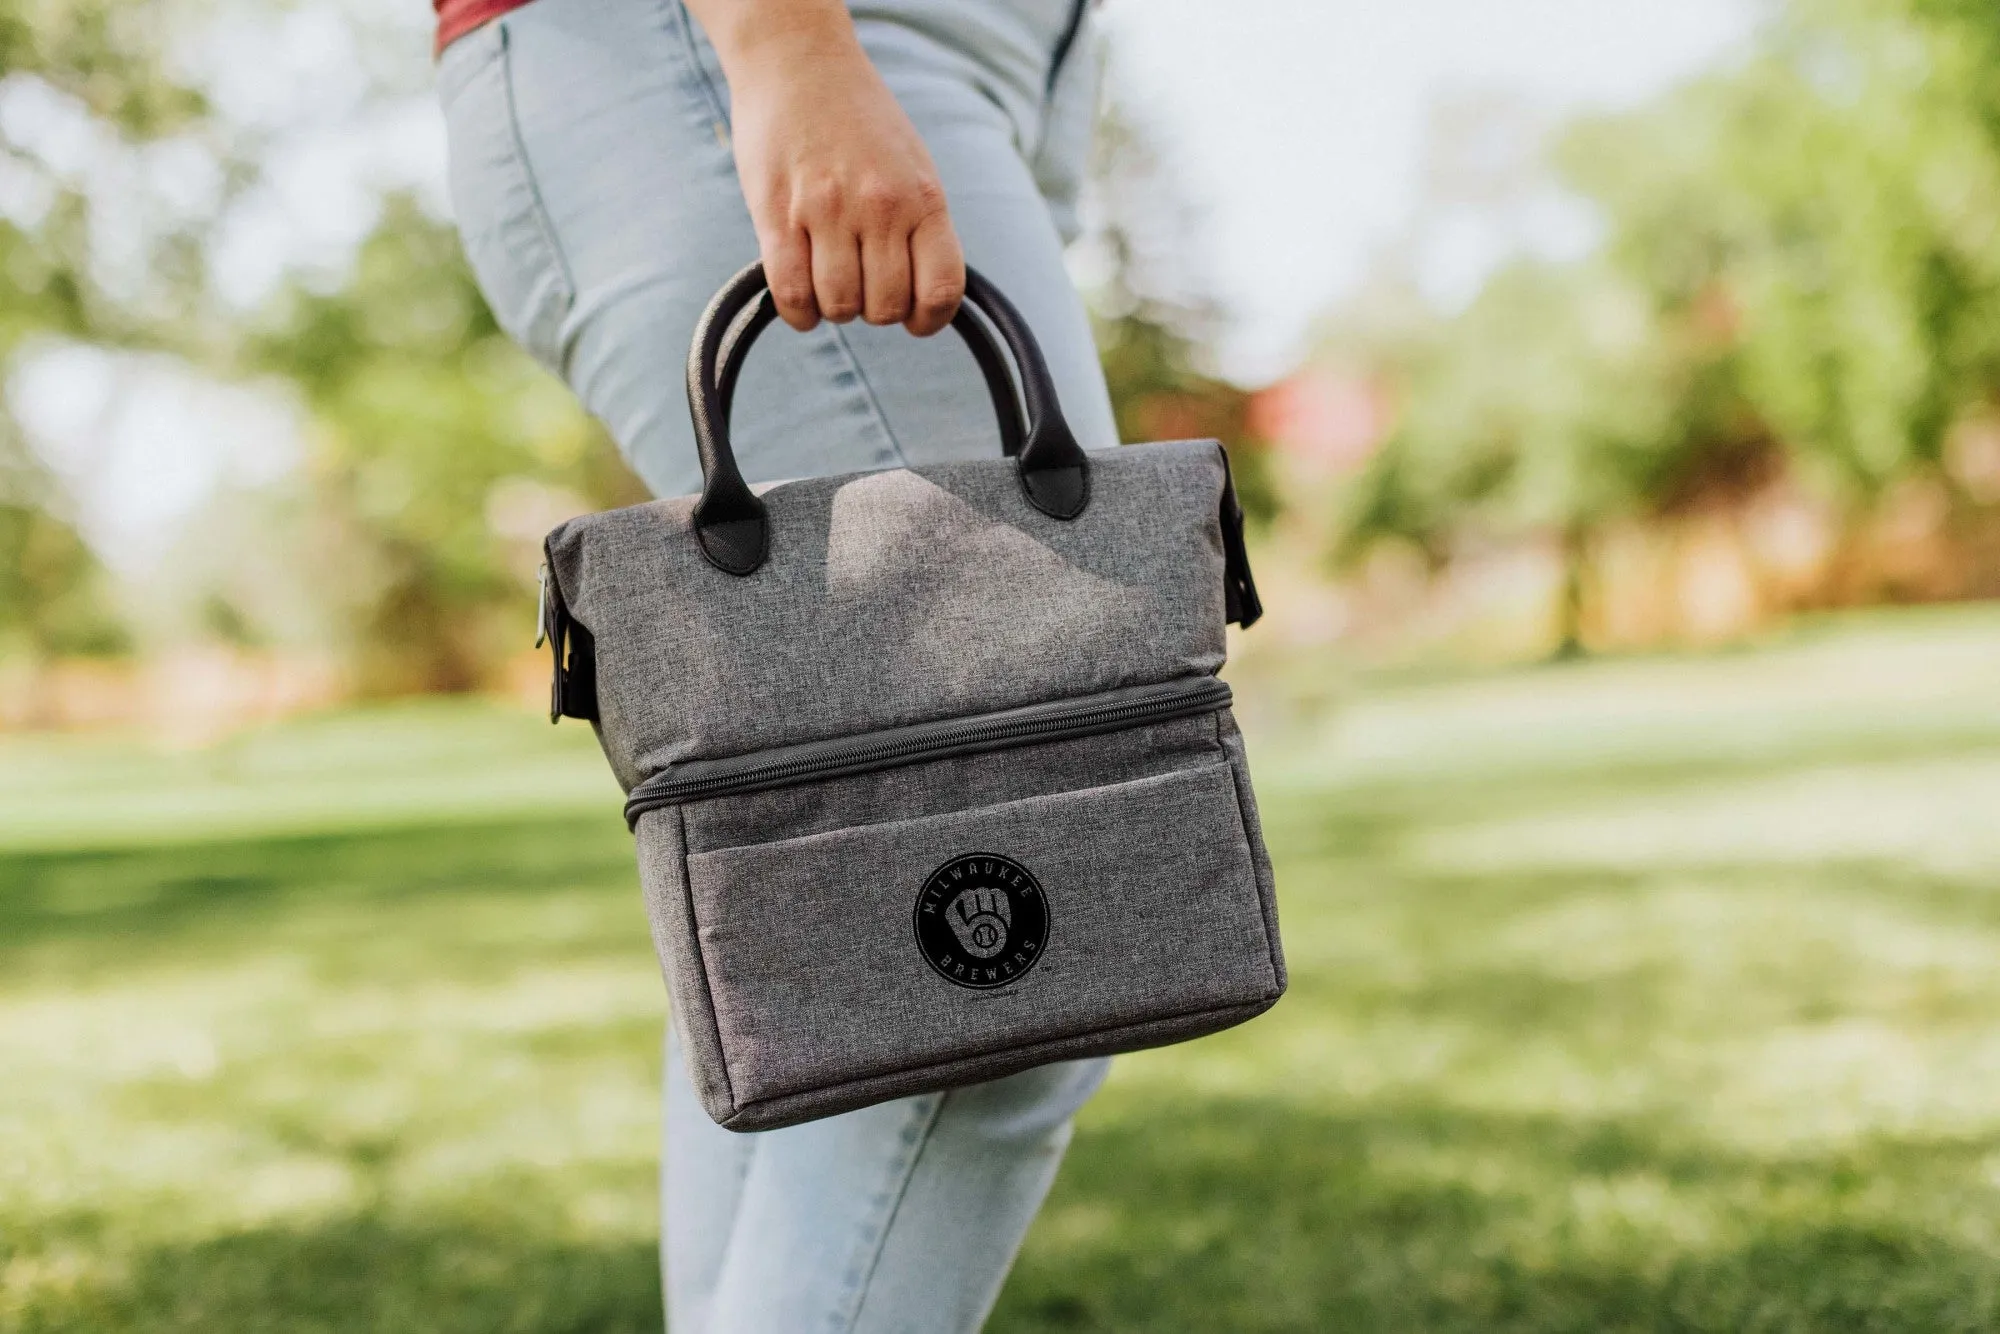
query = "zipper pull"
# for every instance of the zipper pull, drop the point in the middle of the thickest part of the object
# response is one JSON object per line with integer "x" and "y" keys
{"x": 542, "y": 605}
{"x": 551, "y": 628}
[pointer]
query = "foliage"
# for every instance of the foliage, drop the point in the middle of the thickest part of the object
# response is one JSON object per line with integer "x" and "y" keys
{"x": 89, "y": 67}
{"x": 1841, "y": 194}
{"x": 52, "y": 599}
{"x": 1152, "y": 324}
{"x": 1801, "y": 274}
{"x": 1670, "y": 1013}
{"x": 436, "y": 452}
{"x": 94, "y": 67}
{"x": 439, "y": 455}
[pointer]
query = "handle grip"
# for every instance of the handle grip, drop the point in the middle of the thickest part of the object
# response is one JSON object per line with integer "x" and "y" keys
{"x": 730, "y": 522}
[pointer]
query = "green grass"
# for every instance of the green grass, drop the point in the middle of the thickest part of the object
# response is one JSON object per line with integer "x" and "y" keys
{"x": 1647, "y": 995}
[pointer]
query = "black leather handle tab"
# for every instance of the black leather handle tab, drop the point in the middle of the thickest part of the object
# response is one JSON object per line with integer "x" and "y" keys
{"x": 729, "y": 520}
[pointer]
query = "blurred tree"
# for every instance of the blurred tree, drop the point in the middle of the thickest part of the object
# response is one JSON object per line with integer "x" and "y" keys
{"x": 1838, "y": 198}
{"x": 439, "y": 456}
{"x": 436, "y": 454}
{"x": 1557, "y": 403}
{"x": 76, "y": 69}
{"x": 53, "y": 599}
{"x": 1801, "y": 272}
{"x": 1153, "y": 323}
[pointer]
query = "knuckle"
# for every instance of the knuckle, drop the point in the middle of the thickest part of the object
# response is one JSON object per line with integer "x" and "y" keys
{"x": 928, "y": 196}
{"x": 939, "y": 296}
{"x": 791, "y": 293}
{"x": 878, "y": 201}
{"x": 819, "y": 198}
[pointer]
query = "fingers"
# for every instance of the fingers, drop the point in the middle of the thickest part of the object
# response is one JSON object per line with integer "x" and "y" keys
{"x": 885, "y": 276}
{"x": 937, "y": 275}
{"x": 889, "y": 257}
{"x": 836, "y": 273}
{"x": 788, "y": 269}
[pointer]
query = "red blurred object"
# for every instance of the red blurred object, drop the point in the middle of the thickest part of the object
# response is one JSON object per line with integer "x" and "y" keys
{"x": 1330, "y": 420}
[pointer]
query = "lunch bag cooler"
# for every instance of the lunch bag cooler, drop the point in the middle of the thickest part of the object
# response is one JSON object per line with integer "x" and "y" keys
{"x": 930, "y": 772}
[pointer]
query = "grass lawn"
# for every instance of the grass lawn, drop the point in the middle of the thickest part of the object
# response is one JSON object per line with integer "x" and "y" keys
{"x": 1659, "y": 994}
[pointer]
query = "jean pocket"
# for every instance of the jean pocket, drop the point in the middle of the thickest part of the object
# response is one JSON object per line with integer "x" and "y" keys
{"x": 502, "y": 222}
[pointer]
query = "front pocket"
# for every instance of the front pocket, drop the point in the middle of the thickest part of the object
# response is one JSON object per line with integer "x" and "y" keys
{"x": 830, "y": 957}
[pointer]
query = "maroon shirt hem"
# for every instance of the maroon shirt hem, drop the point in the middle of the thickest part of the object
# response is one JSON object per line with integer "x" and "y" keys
{"x": 459, "y": 17}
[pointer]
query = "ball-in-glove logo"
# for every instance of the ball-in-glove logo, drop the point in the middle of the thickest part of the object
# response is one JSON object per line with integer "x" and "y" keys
{"x": 982, "y": 921}
{"x": 979, "y": 918}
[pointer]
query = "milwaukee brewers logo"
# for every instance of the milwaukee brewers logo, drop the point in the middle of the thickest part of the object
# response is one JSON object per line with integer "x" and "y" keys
{"x": 982, "y": 921}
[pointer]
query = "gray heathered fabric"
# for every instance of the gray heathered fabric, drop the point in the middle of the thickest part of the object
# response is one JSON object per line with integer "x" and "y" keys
{"x": 815, "y": 980}
{"x": 799, "y": 992}
{"x": 783, "y": 918}
{"x": 1231, "y": 741}
{"x": 663, "y": 880}
{"x": 896, "y": 597}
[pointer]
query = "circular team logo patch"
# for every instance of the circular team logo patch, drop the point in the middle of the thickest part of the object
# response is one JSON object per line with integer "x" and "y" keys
{"x": 982, "y": 921}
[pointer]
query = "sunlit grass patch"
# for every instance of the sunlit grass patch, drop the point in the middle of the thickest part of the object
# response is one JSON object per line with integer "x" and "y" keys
{"x": 427, "y": 1055}
{"x": 1656, "y": 995}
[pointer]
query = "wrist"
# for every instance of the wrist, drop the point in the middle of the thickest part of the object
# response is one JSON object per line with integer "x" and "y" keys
{"x": 759, "y": 45}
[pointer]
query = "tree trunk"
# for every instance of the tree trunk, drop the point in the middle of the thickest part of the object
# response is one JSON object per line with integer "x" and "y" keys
{"x": 1569, "y": 606}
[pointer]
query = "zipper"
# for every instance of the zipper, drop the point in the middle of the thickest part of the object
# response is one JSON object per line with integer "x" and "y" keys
{"x": 1061, "y": 720}
{"x": 572, "y": 651}
{"x": 552, "y": 628}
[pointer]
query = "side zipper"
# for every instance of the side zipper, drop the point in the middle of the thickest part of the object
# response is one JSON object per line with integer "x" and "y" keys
{"x": 572, "y": 648}
{"x": 892, "y": 748}
{"x": 1240, "y": 602}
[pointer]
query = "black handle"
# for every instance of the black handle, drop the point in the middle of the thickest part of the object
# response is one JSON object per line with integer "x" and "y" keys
{"x": 729, "y": 519}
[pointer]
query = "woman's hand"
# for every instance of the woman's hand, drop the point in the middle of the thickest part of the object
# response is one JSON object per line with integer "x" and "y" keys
{"x": 849, "y": 213}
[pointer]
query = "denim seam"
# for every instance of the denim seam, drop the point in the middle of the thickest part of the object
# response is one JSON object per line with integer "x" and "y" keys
{"x": 684, "y": 23}
{"x": 1045, "y": 123}
{"x": 538, "y": 209}
{"x": 1065, "y": 47}
{"x": 874, "y": 404}
{"x": 895, "y": 1206}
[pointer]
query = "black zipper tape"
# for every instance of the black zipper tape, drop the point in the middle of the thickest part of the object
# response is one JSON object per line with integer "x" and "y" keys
{"x": 891, "y": 748}
{"x": 1239, "y": 590}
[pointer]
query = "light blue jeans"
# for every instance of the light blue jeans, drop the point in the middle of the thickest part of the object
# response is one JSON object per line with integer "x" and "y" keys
{"x": 599, "y": 205}
{"x": 598, "y": 200}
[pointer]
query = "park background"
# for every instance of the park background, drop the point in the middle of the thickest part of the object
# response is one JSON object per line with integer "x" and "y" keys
{"x": 1616, "y": 390}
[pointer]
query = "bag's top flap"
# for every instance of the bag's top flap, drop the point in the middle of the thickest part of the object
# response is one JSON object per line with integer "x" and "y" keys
{"x": 895, "y": 597}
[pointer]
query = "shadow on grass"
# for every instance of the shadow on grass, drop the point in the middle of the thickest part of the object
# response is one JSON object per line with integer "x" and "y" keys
{"x": 1251, "y": 1216}
{"x": 157, "y": 896}
{"x": 1215, "y": 1216}
{"x": 1189, "y": 1214}
{"x": 378, "y": 1274}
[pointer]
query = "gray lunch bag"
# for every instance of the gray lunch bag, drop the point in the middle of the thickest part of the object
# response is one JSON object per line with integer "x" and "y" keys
{"x": 931, "y": 774}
